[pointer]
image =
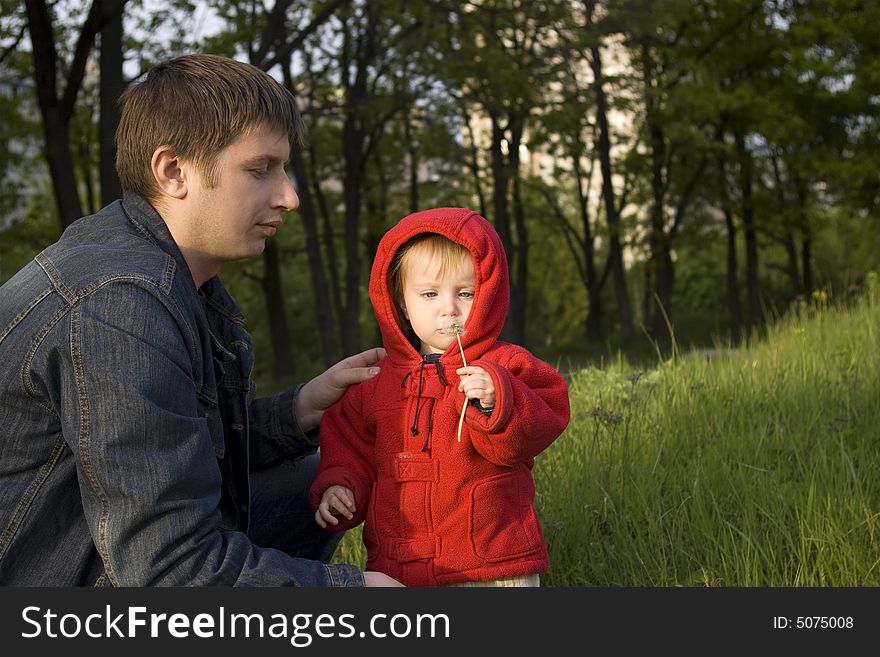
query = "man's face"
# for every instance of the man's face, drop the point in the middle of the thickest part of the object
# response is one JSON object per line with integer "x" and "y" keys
{"x": 233, "y": 219}
{"x": 432, "y": 304}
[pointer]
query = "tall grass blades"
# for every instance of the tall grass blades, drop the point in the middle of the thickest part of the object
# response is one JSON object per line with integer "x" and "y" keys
{"x": 756, "y": 466}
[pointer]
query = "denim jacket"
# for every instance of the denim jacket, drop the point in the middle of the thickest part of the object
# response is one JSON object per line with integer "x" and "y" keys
{"x": 127, "y": 419}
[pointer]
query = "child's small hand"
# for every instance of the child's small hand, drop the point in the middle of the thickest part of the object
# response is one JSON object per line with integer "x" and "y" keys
{"x": 477, "y": 384}
{"x": 336, "y": 501}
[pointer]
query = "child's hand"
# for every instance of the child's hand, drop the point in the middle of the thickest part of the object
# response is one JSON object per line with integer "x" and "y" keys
{"x": 336, "y": 501}
{"x": 477, "y": 384}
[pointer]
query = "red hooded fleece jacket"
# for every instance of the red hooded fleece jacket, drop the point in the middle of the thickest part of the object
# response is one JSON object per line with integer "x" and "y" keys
{"x": 438, "y": 511}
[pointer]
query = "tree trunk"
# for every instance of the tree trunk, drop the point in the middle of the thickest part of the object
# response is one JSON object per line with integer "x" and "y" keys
{"x": 351, "y": 325}
{"x": 791, "y": 261}
{"x": 353, "y": 152}
{"x": 376, "y": 219}
{"x": 55, "y": 116}
{"x": 283, "y": 366}
{"x": 412, "y": 149}
{"x": 474, "y": 160}
{"x": 615, "y": 247}
{"x": 807, "y": 262}
{"x": 594, "y": 324}
{"x": 86, "y": 174}
{"x": 329, "y": 241}
{"x": 806, "y": 242}
{"x": 111, "y": 86}
{"x": 753, "y": 285}
{"x": 661, "y": 258}
{"x": 57, "y": 110}
{"x": 595, "y": 310}
{"x": 520, "y": 275}
{"x": 500, "y": 208}
{"x": 660, "y": 264}
{"x": 499, "y": 189}
{"x": 327, "y": 323}
{"x": 733, "y": 304}
{"x": 788, "y": 242}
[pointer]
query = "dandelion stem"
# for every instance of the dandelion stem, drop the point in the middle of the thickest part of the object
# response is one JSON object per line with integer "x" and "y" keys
{"x": 458, "y": 330}
{"x": 461, "y": 418}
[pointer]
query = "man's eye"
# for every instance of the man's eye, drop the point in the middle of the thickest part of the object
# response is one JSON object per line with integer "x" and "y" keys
{"x": 260, "y": 173}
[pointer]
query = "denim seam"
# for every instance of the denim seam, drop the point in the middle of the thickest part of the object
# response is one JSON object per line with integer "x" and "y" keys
{"x": 169, "y": 301}
{"x": 237, "y": 319}
{"x": 344, "y": 575}
{"x": 24, "y": 505}
{"x": 331, "y": 575}
{"x": 55, "y": 278}
{"x": 148, "y": 235}
{"x": 163, "y": 283}
{"x": 18, "y": 318}
{"x": 29, "y": 356}
{"x": 205, "y": 397}
{"x": 83, "y": 441}
{"x": 139, "y": 227}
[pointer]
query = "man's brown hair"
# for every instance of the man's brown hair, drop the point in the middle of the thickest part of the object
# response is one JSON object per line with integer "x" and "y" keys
{"x": 198, "y": 105}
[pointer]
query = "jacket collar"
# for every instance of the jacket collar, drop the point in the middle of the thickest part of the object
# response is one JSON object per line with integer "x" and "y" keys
{"x": 149, "y": 223}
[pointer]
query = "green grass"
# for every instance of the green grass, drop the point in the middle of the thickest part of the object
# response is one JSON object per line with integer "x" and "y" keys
{"x": 754, "y": 466}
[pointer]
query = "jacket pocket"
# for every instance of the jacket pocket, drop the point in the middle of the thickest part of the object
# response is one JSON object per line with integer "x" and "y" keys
{"x": 503, "y": 523}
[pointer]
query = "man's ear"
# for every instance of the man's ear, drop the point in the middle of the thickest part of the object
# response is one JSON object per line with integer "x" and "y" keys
{"x": 168, "y": 173}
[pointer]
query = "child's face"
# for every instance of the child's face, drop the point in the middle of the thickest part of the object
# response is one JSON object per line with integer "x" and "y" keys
{"x": 432, "y": 304}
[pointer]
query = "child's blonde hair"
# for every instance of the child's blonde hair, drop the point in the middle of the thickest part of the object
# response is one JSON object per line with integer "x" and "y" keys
{"x": 430, "y": 245}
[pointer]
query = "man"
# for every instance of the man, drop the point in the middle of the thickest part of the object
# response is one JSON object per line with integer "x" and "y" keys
{"x": 132, "y": 452}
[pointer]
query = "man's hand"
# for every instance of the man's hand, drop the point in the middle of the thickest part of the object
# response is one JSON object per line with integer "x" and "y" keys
{"x": 326, "y": 389}
{"x": 374, "y": 578}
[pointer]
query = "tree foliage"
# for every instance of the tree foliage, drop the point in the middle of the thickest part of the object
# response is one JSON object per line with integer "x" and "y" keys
{"x": 673, "y": 167}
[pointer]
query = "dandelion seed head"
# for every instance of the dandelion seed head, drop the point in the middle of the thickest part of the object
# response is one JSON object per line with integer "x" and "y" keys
{"x": 455, "y": 329}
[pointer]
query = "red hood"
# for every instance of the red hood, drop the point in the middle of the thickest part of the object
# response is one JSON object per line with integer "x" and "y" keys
{"x": 491, "y": 292}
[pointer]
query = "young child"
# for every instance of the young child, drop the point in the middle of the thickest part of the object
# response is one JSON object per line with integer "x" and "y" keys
{"x": 441, "y": 508}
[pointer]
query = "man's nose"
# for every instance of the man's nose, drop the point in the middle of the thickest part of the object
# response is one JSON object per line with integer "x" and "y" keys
{"x": 288, "y": 198}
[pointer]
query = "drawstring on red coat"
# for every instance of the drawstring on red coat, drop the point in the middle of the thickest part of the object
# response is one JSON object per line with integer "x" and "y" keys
{"x": 430, "y": 424}
{"x": 440, "y": 374}
{"x": 414, "y": 429}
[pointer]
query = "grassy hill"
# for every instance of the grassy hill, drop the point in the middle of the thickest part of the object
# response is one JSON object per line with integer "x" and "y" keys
{"x": 756, "y": 466}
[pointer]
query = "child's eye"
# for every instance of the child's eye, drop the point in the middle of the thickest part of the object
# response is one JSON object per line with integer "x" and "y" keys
{"x": 466, "y": 294}
{"x": 429, "y": 295}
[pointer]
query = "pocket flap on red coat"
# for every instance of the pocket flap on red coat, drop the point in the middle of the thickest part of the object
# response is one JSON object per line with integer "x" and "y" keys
{"x": 411, "y": 549}
{"x": 414, "y": 466}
